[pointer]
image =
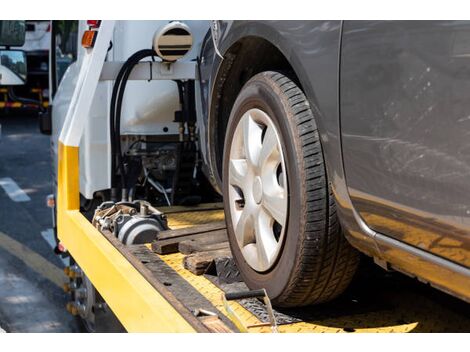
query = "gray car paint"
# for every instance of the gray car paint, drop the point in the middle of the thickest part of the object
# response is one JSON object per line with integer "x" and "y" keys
{"x": 316, "y": 50}
{"x": 405, "y": 117}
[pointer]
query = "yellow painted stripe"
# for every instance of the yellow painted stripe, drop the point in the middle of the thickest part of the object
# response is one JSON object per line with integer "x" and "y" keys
{"x": 33, "y": 260}
{"x": 136, "y": 303}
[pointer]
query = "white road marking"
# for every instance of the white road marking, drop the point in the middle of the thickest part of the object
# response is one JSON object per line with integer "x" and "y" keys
{"x": 13, "y": 191}
{"x": 48, "y": 235}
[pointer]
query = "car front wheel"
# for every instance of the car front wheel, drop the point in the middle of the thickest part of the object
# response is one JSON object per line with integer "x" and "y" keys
{"x": 280, "y": 212}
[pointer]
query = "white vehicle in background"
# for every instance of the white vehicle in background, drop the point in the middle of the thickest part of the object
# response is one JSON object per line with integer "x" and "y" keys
{"x": 38, "y": 37}
{"x": 13, "y": 68}
{"x": 34, "y": 95}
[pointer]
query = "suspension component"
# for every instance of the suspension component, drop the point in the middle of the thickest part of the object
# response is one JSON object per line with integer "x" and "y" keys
{"x": 132, "y": 223}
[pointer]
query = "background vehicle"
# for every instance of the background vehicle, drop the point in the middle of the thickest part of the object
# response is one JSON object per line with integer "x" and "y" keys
{"x": 362, "y": 122}
{"x": 13, "y": 67}
{"x": 34, "y": 95}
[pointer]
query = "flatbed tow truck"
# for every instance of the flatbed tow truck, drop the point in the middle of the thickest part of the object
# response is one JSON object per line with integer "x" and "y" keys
{"x": 185, "y": 281}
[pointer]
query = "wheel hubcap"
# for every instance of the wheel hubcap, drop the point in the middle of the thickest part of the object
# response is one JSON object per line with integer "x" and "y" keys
{"x": 257, "y": 190}
{"x": 258, "y": 194}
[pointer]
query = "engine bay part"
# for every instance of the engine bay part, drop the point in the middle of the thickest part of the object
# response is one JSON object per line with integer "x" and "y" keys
{"x": 131, "y": 222}
{"x": 162, "y": 169}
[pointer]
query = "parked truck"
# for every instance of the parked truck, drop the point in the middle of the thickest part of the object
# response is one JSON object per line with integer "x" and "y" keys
{"x": 13, "y": 62}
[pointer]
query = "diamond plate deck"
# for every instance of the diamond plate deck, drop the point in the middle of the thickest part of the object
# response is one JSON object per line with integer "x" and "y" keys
{"x": 377, "y": 302}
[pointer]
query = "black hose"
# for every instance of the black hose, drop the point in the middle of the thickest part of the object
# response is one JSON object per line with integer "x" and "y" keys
{"x": 122, "y": 87}
{"x": 115, "y": 115}
{"x": 116, "y": 87}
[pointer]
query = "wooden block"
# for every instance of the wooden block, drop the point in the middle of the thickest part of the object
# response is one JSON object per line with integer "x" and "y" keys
{"x": 170, "y": 245}
{"x": 189, "y": 247}
{"x": 164, "y": 235}
{"x": 197, "y": 263}
{"x": 206, "y": 242}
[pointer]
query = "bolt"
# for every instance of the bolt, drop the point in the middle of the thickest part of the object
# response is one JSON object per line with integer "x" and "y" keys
{"x": 80, "y": 293}
{"x": 81, "y": 308}
{"x": 100, "y": 306}
{"x": 72, "y": 308}
{"x": 75, "y": 272}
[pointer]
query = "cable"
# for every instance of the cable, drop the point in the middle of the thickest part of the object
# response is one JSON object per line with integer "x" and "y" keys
{"x": 116, "y": 88}
{"x": 122, "y": 87}
{"x": 115, "y": 117}
{"x": 157, "y": 185}
{"x": 142, "y": 141}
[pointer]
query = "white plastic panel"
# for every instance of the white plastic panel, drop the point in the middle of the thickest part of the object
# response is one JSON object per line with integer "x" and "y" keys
{"x": 149, "y": 107}
{"x": 95, "y": 150}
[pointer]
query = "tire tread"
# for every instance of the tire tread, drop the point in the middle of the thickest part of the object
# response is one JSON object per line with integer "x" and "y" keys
{"x": 326, "y": 262}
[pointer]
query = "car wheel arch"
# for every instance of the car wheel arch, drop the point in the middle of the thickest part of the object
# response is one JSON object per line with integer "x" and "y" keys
{"x": 229, "y": 78}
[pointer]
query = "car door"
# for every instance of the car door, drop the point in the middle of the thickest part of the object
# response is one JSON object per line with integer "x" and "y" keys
{"x": 405, "y": 128}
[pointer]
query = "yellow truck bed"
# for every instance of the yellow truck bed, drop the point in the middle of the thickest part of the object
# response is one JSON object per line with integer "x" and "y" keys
{"x": 378, "y": 302}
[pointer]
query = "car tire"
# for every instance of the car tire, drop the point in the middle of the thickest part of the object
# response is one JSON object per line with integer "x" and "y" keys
{"x": 309, "y": 261}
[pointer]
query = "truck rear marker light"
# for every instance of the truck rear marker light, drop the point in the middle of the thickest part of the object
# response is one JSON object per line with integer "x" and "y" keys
{"x": 89, "y": 38}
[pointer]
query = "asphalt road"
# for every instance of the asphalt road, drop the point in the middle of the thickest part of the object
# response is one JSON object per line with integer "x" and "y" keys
{"x": 31, "y": 297}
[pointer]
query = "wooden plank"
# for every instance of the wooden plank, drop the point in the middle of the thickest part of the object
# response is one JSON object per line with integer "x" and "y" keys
{"x": 163, "y": 235}
{"x": 187, "y": 209}
{"x": 206, "y": 242}
{"x": 170, "y": 245}
{"x": 197, "y": 263}
{"x": 193, "y": 246}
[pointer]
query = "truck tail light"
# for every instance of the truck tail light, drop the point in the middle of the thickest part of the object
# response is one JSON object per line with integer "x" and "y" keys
{"x": 93, "y": 24}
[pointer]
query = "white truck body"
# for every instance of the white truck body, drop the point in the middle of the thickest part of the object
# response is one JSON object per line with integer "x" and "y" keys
{"x": 148, "y": 107}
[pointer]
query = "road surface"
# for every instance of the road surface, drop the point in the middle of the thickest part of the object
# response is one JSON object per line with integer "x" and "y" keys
{"x": 31, "y": 275}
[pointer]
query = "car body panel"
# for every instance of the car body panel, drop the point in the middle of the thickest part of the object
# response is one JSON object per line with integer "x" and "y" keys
{"x": 312, "y": 48}
{"x": 405, "y": 118}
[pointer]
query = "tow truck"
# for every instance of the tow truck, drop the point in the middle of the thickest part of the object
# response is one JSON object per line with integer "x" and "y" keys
{"x": 169, "y": 268}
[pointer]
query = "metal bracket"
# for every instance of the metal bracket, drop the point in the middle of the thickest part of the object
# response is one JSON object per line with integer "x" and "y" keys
{"x": 244, "y": 295}
{"x": 184, "y": 70}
